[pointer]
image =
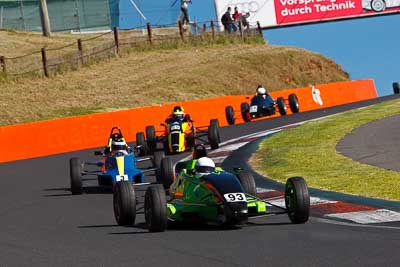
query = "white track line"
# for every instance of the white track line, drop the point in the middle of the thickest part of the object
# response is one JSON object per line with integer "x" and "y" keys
{"x": 369, "y": 216}
{"x": 313, "y": 201}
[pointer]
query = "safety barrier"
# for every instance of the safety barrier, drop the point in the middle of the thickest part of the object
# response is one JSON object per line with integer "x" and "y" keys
{"x": 50, "y": 137}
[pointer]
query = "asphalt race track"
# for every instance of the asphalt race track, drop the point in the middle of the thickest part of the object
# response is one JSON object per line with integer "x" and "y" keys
{"x": 376, "y": 143}
{"x": 42, "y": 224}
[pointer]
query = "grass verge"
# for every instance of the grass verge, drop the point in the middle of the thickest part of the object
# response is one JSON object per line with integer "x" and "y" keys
{"x": 310, "y": 151}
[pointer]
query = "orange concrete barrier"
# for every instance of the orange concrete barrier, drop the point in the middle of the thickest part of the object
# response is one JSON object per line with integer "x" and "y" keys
{"x": 50, "y": 137}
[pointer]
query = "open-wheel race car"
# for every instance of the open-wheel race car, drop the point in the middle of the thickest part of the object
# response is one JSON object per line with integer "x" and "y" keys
{"x": 262, "y": 105}
{"x": 118, "y": 163}
{"x": 202, "y": 193}
{"x": 179, "y": 134}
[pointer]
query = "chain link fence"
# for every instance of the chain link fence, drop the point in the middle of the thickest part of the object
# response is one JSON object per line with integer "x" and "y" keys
{"x": 92, "y": 15}
{"x": 65, "y": 15}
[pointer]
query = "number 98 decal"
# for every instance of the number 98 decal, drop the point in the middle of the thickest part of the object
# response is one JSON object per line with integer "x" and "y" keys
{"x": 235, "y": 197}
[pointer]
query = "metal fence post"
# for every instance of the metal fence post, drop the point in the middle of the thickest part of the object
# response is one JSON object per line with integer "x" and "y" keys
{"x": 212, "y": 29}
{"x": 3, "y": 64}
{"x": 181, "y": 30}
{"x": 80, "y": 50}
{"x": 149, "y": 32}
{"x": 116, "y": 40}
{"x": 21, "y": 8}
{"x": 44, "y": 60}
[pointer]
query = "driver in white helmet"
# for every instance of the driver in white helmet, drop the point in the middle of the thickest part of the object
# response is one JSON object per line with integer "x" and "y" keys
{"x": 204, "y": 166}
{"x": 266, "y": 98}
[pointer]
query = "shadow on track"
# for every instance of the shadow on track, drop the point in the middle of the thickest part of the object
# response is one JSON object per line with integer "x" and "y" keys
{"x": 86, "y": 190}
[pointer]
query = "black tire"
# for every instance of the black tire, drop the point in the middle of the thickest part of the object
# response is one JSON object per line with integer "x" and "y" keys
{"x": 155, "y": 209}
{"x": 216, "y": 123}
{"x": 244, "y": 110}
{"x": 124, "y": 202}
{"x": 294, "y": 103}
{"x": 190, "y": 139}
{"x": 378, "y": 5}
{"x": 247, "y": 182}
{"x": 151, "y": 138}
{"x": 165, "y": 174}
{"x": 396, "y": 88}
{"x": 213, "y": 135}
{"x": 297, "y": 200}
{"x": 75, "y": 172}
{"x": 157, "y": 157}
{"x": 230, "y": 115}
{"x": 141, "y": 144}
{"x": 281, "y": 106}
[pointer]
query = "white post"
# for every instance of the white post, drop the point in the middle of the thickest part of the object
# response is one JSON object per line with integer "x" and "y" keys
{"x": 1, "y": 17}
{"x": 21, "y": 9}
{"x": 45, "y": 18}
{"x": 218, "y": 20}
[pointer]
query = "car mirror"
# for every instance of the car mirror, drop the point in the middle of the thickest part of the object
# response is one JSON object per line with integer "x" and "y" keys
{"x": 98, "y": 153}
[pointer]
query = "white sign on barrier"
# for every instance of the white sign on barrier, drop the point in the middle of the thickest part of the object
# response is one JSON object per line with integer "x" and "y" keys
{"x": 273, "y": 13}
{"x": 260, "y": 10}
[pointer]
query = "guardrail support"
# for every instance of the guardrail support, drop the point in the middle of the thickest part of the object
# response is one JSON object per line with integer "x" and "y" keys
{"x": 149, "y": 32}
{"x": 80, "y": 50}
{"x": 44, "y": 60}
{"x": 396, "y": 88}
{"x": 259, "y": 28}
{"x": 116, "y": 40}
{"x": 212, "y": 29}
{"x": 181, "y": 30}
{"x": 3, "y": 64}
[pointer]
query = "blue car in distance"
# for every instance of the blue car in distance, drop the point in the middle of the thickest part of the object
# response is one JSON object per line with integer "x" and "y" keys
{"x": 262, "y": 106}
{"x": 118, "y": 162}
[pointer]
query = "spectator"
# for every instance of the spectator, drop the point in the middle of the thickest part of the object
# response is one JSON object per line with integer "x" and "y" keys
{"x": 243, "y": 20}
{"x": 184, "y": 11}
{"x": 236, "y": 14}
{"x": 227, "y": 21}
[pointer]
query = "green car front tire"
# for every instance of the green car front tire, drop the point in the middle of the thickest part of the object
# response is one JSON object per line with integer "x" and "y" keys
{"x": 297, "y": 200}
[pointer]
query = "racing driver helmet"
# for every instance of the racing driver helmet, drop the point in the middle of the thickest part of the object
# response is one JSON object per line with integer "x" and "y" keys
{"x": 204, "y": 166}
{"x": 178, "y": 113}
{"x": 118, "y": 145}
{"x": 199, "y": 151}
{"x": 261, "y": 90}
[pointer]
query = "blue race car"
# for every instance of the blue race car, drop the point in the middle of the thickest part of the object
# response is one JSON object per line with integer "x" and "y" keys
{"x": 118, "y": 163}
{"x": 262, "y": 106}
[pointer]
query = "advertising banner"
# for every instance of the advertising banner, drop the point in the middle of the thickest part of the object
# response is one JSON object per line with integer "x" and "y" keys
{"x": 274, "y": 13}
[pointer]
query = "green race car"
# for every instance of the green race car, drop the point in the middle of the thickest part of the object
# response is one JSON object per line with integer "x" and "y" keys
{"x": 202, "y": 192}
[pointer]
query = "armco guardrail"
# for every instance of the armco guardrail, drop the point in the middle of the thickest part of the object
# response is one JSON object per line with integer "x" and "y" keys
{"x": 88, "y": 131}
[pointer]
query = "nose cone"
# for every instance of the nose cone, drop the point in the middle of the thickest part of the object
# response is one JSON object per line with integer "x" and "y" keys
{"x": 236, "y": 213}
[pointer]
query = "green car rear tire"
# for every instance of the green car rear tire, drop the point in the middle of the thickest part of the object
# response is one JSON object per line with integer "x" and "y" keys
{"x": 155, "y": 209}
{"x": 247, "y": 182}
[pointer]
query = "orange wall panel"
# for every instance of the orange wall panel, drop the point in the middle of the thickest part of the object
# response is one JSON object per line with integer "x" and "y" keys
{"x": 74, "y": 133}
